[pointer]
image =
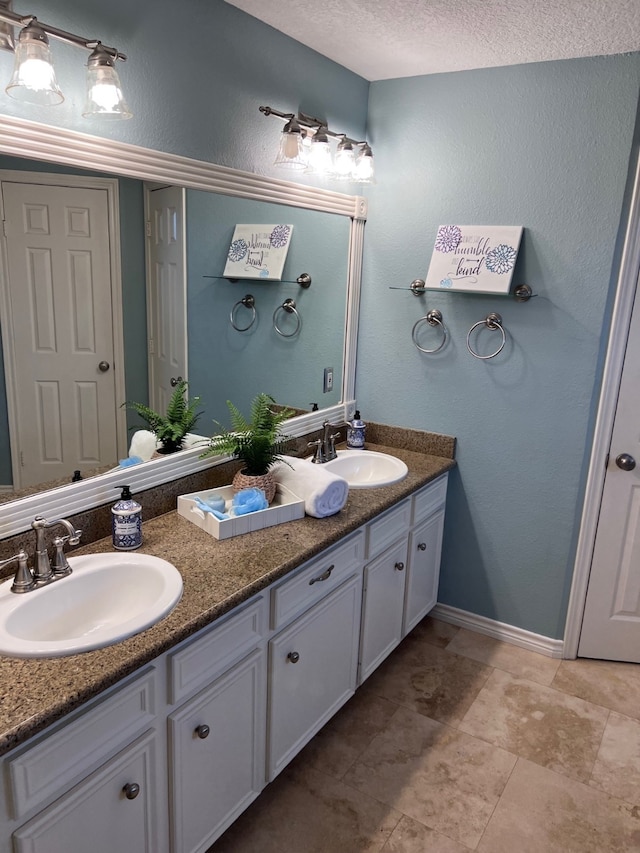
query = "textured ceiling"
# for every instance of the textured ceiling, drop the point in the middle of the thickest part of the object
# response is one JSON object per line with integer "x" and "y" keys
{"x": 381, "y": 39}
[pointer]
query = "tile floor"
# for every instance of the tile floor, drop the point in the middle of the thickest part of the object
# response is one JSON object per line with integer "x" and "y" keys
{"x": 459, "y": 742}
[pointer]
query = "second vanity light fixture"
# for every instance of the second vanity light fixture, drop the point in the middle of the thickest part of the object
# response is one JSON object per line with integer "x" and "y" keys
{"x": 305, "y": 147}
{"x": 34, "y": 77}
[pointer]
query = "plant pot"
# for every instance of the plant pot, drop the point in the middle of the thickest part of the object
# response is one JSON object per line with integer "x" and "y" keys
{"x": 266, "y": 482}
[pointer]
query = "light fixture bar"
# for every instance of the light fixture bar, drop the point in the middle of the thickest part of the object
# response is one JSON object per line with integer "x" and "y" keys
{"x": 311, "y": 123}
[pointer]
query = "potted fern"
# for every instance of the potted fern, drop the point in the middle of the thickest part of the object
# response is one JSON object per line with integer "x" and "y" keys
{"x": 171, "y": 428}
{"x": 257, "y": 442}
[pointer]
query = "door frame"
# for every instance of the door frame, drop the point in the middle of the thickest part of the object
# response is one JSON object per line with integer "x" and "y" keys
{"x": 627, "y": 282}
{"x": 111, "y": 186}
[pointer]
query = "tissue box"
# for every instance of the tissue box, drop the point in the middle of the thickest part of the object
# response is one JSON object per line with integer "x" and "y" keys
{"x": 285, "y": 507}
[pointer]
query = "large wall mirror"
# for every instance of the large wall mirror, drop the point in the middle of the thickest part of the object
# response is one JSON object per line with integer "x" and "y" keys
{"x": 222, "y": 363}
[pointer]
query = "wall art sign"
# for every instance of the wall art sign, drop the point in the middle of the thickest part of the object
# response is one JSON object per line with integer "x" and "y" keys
{"x": 258, "y": 251}
{"x": 474, "y": 258}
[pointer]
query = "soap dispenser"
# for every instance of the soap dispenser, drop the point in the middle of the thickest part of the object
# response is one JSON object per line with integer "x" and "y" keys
{"x": 126, "y": 516}
{"x": 355, "y": 432}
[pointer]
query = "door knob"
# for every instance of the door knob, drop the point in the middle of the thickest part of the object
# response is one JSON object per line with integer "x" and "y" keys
{"x": 175, "y": 380}
{"x": 293, "y": 657}
{"x": 103, "y": 366}
{"x": 131, "y": 790}
{"x": 202, "y": 731}
{"x": 626, "y": 462}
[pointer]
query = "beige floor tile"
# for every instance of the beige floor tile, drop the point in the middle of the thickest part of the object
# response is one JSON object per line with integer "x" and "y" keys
{"x": 536, "y": 722}
{"x": 334, "y": 749}
{"x": 429, "y": 680}
{"x": 608, "y": 683}
{"x": 434, "y": 631}
{"x": 409, "y": 836}
{"x": 305, "y": 811}
{"x": 617, "y": 767}
{"x": 437, "y": 775}
{"x": 545, "y": 812}
{"x": 520, "y": 662}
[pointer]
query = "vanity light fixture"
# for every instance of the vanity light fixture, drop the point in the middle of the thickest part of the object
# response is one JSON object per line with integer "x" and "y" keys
{"x": 305, "y": 145}
{"x": 34, "y": 78}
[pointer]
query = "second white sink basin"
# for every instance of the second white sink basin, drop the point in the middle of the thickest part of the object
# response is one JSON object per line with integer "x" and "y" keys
{"x": 107, "y": 598}
{"x": 367, "y": 469}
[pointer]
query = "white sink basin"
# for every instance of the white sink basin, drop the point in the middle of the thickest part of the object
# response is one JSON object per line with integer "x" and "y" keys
{"x": 367, "y": 469}
{"x": 107, "y": 598}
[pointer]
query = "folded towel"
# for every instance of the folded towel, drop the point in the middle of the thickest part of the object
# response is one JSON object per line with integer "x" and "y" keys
{"x": 323, "y": 492}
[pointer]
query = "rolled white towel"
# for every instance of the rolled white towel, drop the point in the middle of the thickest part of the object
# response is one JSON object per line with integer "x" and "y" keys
{"x": 143, "y": 444}
{"x": 323, "y": 492}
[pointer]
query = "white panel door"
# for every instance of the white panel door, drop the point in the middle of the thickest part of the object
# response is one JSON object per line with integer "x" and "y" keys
{"x": 166, "y": 293}
{"x": 59, "y": 283}
{"x": 611, "y": 623}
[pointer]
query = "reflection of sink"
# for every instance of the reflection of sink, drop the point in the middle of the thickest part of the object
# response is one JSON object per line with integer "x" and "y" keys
{"x": 367, "y": 469}
{"x": 107, "y": 598}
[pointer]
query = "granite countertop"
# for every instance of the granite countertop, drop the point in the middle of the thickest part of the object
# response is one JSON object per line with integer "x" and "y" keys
{"x": 217, "y": 575}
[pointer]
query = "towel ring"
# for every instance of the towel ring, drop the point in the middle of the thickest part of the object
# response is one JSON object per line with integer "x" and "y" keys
{"x": 433, "y": 318}
{"x": 249, "y": 302}
{"x": 289, "y": 306}
{"x": 493, "y": 322}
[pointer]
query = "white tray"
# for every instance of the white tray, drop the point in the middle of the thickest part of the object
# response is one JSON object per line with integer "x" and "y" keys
{"x": 284, "y": 507}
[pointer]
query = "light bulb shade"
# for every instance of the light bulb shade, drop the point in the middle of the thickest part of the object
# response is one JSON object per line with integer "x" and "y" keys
{"x": 34, "y": 77}
{"x": 290, "y": 153}
{"x": 320, "y": 162}
{"x": 364, "y": 171}
{"x": 345, "y": 162}
{"x": 104, "y": 92}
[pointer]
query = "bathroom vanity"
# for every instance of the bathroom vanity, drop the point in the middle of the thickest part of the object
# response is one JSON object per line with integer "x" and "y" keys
{"x": 158, "y": 743}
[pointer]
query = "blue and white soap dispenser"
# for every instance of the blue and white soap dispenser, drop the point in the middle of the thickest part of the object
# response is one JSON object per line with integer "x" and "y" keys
{"x": 355, "y": 432}
{"x": 126, "y": 522}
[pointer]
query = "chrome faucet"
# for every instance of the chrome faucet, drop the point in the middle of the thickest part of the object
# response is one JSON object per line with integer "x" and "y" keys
{"x": 43, "y": 572}
{"x": 326, "y": 446}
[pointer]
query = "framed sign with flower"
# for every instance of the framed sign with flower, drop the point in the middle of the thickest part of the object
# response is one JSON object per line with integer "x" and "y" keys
{"x": 258, "y": 251}
{"x": 474, "y": 258}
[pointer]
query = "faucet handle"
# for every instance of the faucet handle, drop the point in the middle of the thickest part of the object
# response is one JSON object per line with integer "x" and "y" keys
{"x": 317, "y": 457}
{"x": 23, "y": 580}
{"x": 59, "y": 564}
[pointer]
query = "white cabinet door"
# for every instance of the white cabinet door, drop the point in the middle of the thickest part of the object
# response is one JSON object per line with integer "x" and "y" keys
{"x": 423, "y": 569}
{"x": 217, "y": 753}
{"x": 103, "y": 813}
{"x": 383, "y": 603}
{"x": 313, "y": 667}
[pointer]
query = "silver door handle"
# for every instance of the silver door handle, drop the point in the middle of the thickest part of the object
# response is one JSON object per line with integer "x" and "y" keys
{"x": 175, "y": 380}
{"x": 103, "y": 366}
{"x": 626, "y": 462}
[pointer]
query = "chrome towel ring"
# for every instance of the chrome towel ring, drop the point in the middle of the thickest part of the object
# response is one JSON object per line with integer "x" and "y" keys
{"x": 248, "y": 302}
{"x": 494, "y": 323}
{"x": 289, "y": 307}
{"x": 433, "y": 318}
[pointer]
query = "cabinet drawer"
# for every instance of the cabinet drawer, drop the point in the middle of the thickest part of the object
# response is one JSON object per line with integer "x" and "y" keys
{"x": 65, "y": 756}
{"x": 207, "y": 655}
{"x": 320, "y": 576}
{"x": 388, "y": 528}
{"x": 429, "y": 499}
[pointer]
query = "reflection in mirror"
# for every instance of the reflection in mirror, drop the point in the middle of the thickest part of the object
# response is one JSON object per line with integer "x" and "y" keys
{"x": 223, "y": 363}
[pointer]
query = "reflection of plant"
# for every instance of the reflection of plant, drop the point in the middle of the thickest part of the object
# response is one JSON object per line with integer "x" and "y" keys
{"x": 448, "y": 238}
{"x": 501, "y": 259}
{"x": 181, "y": 417}
{"x": 280, "y": 236}
{"x": 258, "y": 441}
{"x": 238, "y": 249}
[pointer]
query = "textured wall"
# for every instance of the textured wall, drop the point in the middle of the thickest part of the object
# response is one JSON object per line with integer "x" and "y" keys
{"x": 545, "y": 146}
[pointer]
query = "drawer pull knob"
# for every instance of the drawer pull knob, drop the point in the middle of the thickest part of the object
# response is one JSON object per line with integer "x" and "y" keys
{"x": 422, "y": 546}
{"x": 400, "y": 566}
{"x": 202, "y": 731}
{"x": 323, "y": 577}
{"x": 293, "y": 657}
{"x": 131, "y": 790}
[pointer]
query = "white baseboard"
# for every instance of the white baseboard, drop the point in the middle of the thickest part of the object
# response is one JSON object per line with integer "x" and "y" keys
{"x": 499, "y": 630}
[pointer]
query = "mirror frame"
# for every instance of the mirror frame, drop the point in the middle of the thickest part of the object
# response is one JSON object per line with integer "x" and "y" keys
{"x": 36, "y": 141}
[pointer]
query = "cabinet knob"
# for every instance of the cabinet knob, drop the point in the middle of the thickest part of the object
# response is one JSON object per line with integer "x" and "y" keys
{"x": 293, "y": 657}
{"x": 131, "y": 790}
{"x": 202, "y": 731}
{"x": 400, "y": 566}
{"x": 422, "y": 546}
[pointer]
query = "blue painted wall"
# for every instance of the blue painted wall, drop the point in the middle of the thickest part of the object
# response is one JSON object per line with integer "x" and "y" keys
{"x": 546, "y": 146}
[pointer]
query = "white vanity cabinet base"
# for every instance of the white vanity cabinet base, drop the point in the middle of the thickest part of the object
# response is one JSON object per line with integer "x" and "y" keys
{"x": 96, "y": 815}
{"x": 215, "y": 777}
{"x": 313, "y": 667}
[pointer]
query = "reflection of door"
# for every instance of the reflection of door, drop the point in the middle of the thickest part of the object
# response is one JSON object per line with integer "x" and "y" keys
{"x": 58, "y": 261}
{"x": 166, "y": 292}
{"x": 611, "y": 624}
